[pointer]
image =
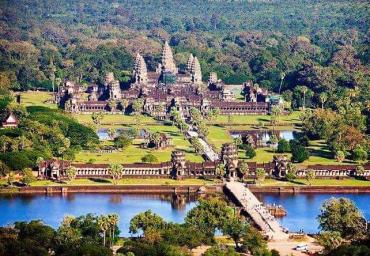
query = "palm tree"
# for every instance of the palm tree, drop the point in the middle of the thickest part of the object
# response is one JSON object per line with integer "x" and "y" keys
{"x": 220, "y": 169}
{"x": 116, "y": 171}
{"x": 71, "y": 173}
{"x": 323, "y": 98}
{"x": 282, "y": 76}
{"x": 4, "y": 142}
{"x": 113, "y": 221}
{"x": 103, "y": 224}
{"x": 304, "y": 90}
{"x": 156, "y": 138}
{"x": 243, "y": 168}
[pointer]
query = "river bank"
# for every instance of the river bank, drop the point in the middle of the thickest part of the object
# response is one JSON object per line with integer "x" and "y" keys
{"x": 159, "y": 189}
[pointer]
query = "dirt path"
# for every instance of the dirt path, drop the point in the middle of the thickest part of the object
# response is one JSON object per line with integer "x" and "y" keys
{"x": 286, "y": 247}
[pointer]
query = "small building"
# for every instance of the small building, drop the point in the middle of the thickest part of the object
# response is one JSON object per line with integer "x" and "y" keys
{"x": 11, "y": 121}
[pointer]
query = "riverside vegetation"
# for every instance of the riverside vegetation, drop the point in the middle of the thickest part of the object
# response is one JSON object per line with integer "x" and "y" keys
{"x": 97, "y": 235}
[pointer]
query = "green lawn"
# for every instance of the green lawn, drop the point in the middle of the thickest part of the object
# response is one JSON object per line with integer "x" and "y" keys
{"x": 110, "y": 120}
{"x": 129, "y": 181}
{"x": 218, "y": 136}
{"x": 292, "y": 119}
{"x": 317, "y": 182}
{"x": 37, "y": 98}
{"x": 134, "y": 153}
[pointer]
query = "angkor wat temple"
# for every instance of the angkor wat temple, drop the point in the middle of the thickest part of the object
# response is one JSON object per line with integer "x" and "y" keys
{"x": 164, "y": 88}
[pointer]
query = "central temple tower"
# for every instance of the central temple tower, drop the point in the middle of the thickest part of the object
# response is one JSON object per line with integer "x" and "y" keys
{"x": 167, "y": 62}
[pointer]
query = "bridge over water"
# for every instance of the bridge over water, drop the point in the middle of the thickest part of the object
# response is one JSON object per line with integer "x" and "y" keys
{"x": 255, "y": 209}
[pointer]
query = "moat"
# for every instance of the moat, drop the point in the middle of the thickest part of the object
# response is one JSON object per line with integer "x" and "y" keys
{"x": 302, "y": 208}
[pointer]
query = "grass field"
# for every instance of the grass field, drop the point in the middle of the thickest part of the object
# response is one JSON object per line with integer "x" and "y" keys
{"x": 37, "y": 98}
{"x": 129, "y": 181}
{"x": 115, "y": 120}
{"x": 134, "y": 153}
{"x": 292, "y": 119}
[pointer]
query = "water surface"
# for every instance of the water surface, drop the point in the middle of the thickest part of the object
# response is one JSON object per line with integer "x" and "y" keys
{"x": 305, "y": 207}
{"x": 52, "y": 208}
{"x": 302, "y": 208}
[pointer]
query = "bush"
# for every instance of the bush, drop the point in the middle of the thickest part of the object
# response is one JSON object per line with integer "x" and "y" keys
{"x": 249, "y": 151}
{"x": 299, "y": 152}
{"x": 149, "y": 158}
{"x": 283, "y": 146}
{"x": 122, "y": 141}
{"x": 359, "y": 154}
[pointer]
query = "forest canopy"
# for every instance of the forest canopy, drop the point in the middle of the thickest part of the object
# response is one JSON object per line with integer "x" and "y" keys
{"x": 322, "y": 44}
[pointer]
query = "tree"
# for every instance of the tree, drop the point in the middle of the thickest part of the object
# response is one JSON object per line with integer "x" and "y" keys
{"x": 116, "y": 172}
{"x": 220, "y": 169}
{"x": 97, "y": 117}
{"x": 323, "y": 98}
{"x": 198, "y": 147}
{"x": 341, "y": 215}
{"x": 144, "y": 221}
{"x": 11, "y": 178}
{"x": 208, "y": 216}
{"x": 217, "y": 250}
{"x": 137, "y": 106}
{"x": 243, "y": 168}
{"x": 4, "y": 169}
{"x": 149, "y": 158}
{"x": 113, "y": 221}
{"x": 238, "y": 141}
{"x": 103, "y": 223}
{"x": 122, "y": 141}
{"x": 310, "y": 175}
{"x": 28, "y": 176}
{"x": 254, "y": 243}
{"x": 283, "y": 146}
{"x": 260, "y": 174}
{"x": 299, "y": 153}
{"x": 340, "y": 156}
{"x": 360, "y": 170}
{"x": 236, "y": 229}
{"x": 330, "y": 240}
{"x": 249, "y": 151}
{"x": 71, "y": 172}
{"x": 291, "y": 172}
{"x": 359, "y": 154}
{"x": 303, "y": 90}
{"x": 203, "y": 129}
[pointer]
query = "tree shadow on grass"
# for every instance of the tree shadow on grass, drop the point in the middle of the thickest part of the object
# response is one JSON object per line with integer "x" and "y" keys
{"x": 263, "y": 119}
{"x": 99, "y": 180}
{"x": 321, "y": 152}
{"x": 297, "y": 182}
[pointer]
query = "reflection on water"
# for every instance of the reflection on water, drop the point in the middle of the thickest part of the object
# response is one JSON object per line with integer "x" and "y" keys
{"x": 304, "y": 208}
{"x": 52, "y": 208}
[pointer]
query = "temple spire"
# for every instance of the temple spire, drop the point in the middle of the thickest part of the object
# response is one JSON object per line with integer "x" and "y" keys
{"x": 190, "y": 62}
{"x": 167, "y": 61}
{"x": 196, "y": 72}
{"x": 140, "y": 71}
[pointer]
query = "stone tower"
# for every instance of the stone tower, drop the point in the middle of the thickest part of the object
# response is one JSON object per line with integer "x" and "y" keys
{"x": 140, "y": 71}
{"x": 196, "y": 73}
{"x": 229, "y": 155}
{"x": 109, "y": 77}
{"x": 167, "y": 61}
{"x": 179, "y": 162}
{"x": 190, "y": 62}
{"x": 212, "y": 78}
{"x": 115, "y": 90}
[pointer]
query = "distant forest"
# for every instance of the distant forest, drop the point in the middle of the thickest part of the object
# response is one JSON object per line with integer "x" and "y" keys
{"x": 320, "y": 44}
